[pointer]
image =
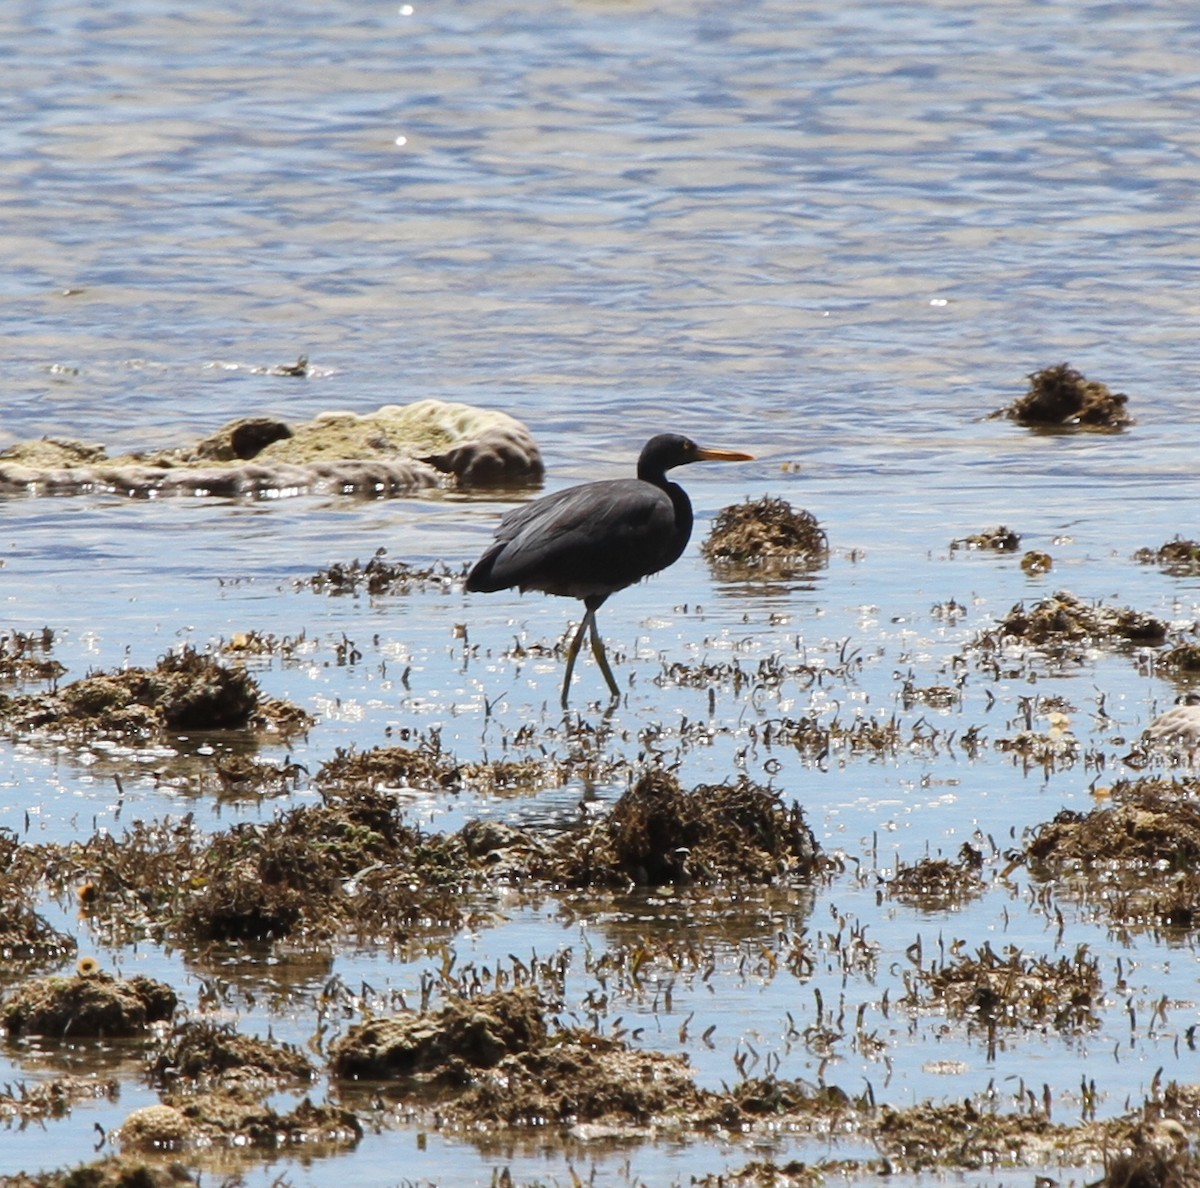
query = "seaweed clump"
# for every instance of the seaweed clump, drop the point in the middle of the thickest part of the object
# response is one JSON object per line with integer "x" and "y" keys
{"x": 1137, "y": 860}
{"x": 997, "y": 540}
{"x": 934, "y": 884}
{"x": 377, "y": 577}
{"x": 764, "y": 535}
{"x": 1018, "y": 991}
{"x": 387, "y": 767}
{"x": 235, "y": 1119}
{"x": 1035, "y": 563}
{"x": 658, "y": 833}
{"x": 1154, "y": 824}
{"x": 1060, "y": 397}
{"x": 1063, "y": 619}
{"x": 27, "y": 938}
{"x": 23, "y": 656}
{"x": 40, "y": 1101}
{"x": 1157, "y": 1154}
{"x": 495, "y": 1059}
{"x": 1177, "y": 557}
{"x": 347, "y": 864}
{"x": 206, "y": 1053}
{"x": 1182, "y": 659}
{"x": 97, "y": 1004}
{"x": 185, "y": 691}
{"x": 113, "y": 1171}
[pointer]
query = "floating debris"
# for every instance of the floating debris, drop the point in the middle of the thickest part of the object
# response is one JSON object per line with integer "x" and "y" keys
{"x": 380, "y": 576}
{"x": 1061, "y": 398}
{"x": 997, "y": 540}
{"x": 298, "y": 370}
{"x": 1035, "y": 563}
{"x": 766, "y": 534}
{"x": 1177, "y": 557}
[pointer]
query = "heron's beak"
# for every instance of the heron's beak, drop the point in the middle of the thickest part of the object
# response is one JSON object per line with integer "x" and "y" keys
{"x": 703, "y": 455}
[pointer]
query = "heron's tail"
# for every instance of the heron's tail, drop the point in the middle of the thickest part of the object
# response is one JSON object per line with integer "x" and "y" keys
{"x": 481, "y": 579}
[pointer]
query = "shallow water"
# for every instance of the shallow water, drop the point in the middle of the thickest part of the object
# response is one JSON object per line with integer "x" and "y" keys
{"x": 837, "y": 237}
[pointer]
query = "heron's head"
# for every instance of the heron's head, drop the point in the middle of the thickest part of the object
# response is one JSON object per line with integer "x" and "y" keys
{"x": 667, "y": 450}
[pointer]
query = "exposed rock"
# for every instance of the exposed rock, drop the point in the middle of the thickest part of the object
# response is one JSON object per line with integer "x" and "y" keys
{"x": 396, "y": 449}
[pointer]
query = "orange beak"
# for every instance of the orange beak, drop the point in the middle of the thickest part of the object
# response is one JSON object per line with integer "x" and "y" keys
{"x": 704, "y": 455}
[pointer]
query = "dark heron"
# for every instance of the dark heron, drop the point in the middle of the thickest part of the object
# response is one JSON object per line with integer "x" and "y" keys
{"x": 595, "y": 539}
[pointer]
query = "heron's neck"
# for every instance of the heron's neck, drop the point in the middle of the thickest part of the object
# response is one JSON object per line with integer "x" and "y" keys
{"x": 683, "y": 509}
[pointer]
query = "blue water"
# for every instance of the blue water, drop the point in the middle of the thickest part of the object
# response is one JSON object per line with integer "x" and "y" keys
{"x": 837, "y": 236}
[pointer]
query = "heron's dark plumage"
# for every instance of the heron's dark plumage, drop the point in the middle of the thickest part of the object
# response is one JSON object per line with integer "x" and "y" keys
{"x": 592, "y": 540}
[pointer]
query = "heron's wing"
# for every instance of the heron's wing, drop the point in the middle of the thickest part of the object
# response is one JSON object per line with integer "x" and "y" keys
{"x": 595, "y": 538}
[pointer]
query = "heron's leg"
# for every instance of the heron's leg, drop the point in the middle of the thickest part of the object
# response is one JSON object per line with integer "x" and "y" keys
{"x": 602, "y": 657}
{"x": 573, "y": 651}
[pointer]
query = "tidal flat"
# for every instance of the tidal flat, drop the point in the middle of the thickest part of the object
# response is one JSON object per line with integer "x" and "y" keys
{"x": 919, "y": 897}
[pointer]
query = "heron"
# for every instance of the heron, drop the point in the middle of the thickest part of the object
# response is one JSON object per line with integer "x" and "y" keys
{"x": 592, "y": 540}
